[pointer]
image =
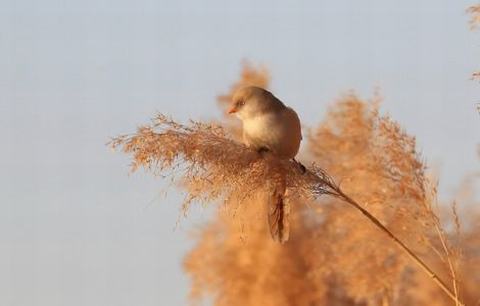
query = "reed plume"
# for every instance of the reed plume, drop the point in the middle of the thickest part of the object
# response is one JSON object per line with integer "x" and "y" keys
{"x": 335, "y": 256}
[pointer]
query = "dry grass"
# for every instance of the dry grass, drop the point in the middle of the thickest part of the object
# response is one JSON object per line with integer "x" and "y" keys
{"x": 474, "y": 12}
{"x": 335, "y": 255}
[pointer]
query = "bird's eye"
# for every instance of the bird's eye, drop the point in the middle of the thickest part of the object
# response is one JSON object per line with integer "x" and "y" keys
{"x": 240, "y": 102}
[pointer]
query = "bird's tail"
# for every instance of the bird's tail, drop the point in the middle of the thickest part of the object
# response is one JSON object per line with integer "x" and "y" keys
{"x": 278, "y": 218}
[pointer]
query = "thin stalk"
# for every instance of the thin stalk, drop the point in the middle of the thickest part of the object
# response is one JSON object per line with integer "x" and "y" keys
{"x": 450, "y": 264}
{"x": 405, "y": 248}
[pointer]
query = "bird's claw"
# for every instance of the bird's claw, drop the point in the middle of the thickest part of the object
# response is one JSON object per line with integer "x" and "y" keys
{"x": 303, "y": 169}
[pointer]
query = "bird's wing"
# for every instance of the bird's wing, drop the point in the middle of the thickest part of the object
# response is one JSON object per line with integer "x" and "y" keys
{"x": 295, "y": 120}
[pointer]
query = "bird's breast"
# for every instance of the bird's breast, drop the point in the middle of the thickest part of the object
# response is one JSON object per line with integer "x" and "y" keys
{"x": 260, "y": 126}
{"x": 278, "y": 132}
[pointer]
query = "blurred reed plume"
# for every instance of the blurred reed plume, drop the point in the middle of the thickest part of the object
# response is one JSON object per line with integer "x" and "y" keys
{"x": 335, "y": 256}
{"x": 474, "y": 12}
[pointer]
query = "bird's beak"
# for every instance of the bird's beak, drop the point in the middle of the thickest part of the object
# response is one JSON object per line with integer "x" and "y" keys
{"x": 232, "y": 110}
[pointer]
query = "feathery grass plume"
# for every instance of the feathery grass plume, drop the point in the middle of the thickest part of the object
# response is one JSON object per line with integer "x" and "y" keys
{"x": 334, "y": 256}
{"x": 474, "y": 12}
{"x": 468, "y": 237}
{"x": 212, "y": 165}
{"x": 310, "y": 229}
{"x": 379, "y": 167}
{"x": 474, "y": 22}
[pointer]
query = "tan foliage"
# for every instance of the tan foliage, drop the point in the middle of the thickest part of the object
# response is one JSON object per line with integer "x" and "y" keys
{"x": 474, "y": 12}
{"x": 335, "y": 256}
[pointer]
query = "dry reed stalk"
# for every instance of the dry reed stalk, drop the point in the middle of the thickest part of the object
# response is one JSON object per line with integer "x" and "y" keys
{"x": 219, "y": 166}
{"x": 453, "y": 295}
{"x": 236, "y": 261}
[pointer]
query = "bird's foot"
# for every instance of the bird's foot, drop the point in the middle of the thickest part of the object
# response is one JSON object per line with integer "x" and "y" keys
{"x": 303, "y": 169}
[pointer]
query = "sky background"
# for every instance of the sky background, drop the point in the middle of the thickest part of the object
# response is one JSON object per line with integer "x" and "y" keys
{"x": 77, "y": 229}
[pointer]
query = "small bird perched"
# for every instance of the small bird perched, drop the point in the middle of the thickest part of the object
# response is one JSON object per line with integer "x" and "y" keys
{"x": 269, "y": 125}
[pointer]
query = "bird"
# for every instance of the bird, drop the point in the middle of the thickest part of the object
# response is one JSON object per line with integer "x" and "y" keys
{"x": 269, "y": 126}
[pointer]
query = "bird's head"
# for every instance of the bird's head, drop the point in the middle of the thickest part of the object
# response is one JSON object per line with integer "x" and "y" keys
{"x": 251, "y": 101}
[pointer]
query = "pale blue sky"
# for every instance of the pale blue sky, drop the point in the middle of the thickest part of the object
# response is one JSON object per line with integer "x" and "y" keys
{"x": 75, "y": 229}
